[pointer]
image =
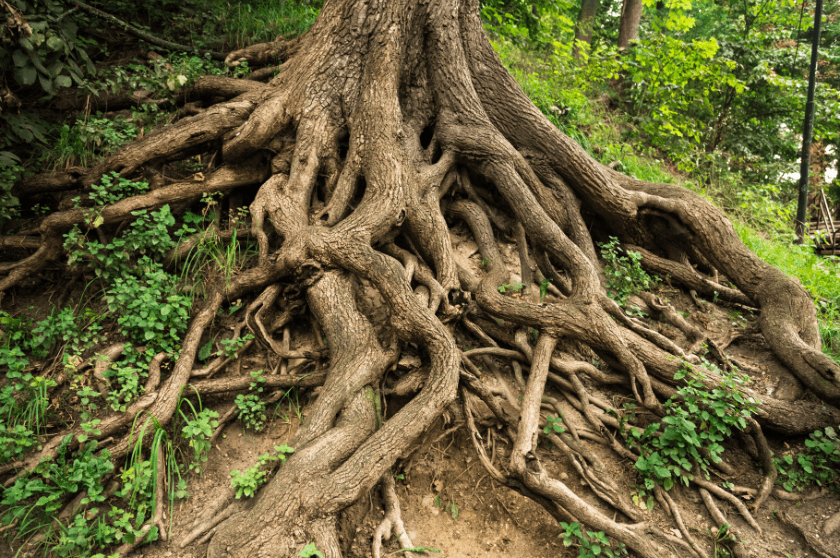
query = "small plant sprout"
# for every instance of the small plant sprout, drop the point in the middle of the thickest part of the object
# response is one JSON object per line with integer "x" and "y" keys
{"x": 591, "y": 544}
{"x": 310, "y": 551}
{"x": 198, "y": 429}
{"x": 252, "y": 410}
{"x": 544, "y": 288}
{"x": 512, "y": 287}
{"x": 230, "y": 347}
{"x": 722, "y": 539}
{"x": 554, "y": 425}
{"x": 625, "y": 275}
{"x": 246, "y": 483}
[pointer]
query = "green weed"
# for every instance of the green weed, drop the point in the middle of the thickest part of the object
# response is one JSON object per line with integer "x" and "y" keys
{"x": 721, "y": 541}
{"x": 140, "y": 476}
{"x": 310, "y": 551}
{"x": 818, "y": 465}
{"x": 34, "y": 500}
{"x": 450, "y": 507}
{"x": 64, "y": 328}
{"x": 252, "y": 411}
{"x": 292, "y": 404}
{"x": 230, "y": 347}
{"x": 625, "y": 275}
{"x": 246, "y": 483}
{"x": 696, "y": 420}
{"x": 512, "y": 287}
{"x": 544, "y": 288}
{"x": 162, "y": 77}
{"x": 90, "y": 139}
{"x": 113, "y": 188}
{"x": 149, "y": 308}
{"x": 262, "y": 21}
{"x": 126, "y": 376}
{"x": 210, "y": 250}
{"x": 198, "y": 429}
{"x": 554, "y": 425}
{"x": 590, "y": 543}
{"x": 10, "y": 172}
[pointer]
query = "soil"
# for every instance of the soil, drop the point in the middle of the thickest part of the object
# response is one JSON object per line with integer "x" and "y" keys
{"x": 448, "y": 501}
{"x": 491, "y": 520}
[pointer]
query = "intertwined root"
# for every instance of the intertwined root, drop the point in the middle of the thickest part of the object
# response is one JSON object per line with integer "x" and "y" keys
{"x": 437, "y": 134}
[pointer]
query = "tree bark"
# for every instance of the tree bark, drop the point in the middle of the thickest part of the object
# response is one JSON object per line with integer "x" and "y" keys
{"x": 628, "y": 26}
{"x": 587, "y": 17}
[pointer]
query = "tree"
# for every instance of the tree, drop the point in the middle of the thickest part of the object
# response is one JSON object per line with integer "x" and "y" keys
{"x": 384, "y": 120}
{"x": 585, "y": 23}
{"x": 628, "y": 26}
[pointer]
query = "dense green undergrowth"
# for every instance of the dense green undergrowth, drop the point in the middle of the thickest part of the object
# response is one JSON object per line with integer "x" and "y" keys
{"x": 131, "y": 299}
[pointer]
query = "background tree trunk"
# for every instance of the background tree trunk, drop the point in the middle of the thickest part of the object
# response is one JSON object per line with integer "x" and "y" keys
{"x": 587, "y": 18}
{"x": 628, "y": 26}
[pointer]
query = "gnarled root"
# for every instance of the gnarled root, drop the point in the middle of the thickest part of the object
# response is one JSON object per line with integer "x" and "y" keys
{"x": 392, "y": 522}
{"x": 737, "y": 547}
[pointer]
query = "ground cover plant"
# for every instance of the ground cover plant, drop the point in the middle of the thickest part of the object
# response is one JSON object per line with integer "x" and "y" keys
{"x": 251, "y": 222}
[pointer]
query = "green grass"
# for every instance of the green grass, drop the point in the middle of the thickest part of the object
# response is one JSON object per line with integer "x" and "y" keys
{"x": 262, "y": 21}
{"x": 819, "y": 275}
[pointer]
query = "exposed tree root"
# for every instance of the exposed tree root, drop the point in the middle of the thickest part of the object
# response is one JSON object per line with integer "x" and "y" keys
{"x": 392, "y": 522}
{"x": 385, "y": 120}
{"x": 737, "y": 547}
{"x": 811, "y": 539}
{"x": 832, "y": 524}
{"x": 674, "y": 511}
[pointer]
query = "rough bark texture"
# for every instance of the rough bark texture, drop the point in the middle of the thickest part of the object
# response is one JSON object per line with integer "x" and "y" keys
{"x": 388, "y": 122}
{"x": 628, "y": 25}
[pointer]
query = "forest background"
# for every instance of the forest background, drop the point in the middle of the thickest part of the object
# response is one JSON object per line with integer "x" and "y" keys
{"x": 707, "y": 94}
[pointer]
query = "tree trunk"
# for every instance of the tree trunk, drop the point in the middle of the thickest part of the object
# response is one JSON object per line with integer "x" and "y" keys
{"x": 587, "y": 17}
{"x": 628, "y": 26}
{"x": 383, "y": 108}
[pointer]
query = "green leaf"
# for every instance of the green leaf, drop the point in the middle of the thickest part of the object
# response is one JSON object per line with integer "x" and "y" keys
{"x": 310, "y": 550}
{"x": 20, "y": 59}
{"x": 26, "y": 75}
{"x": 205, "y": 351}
{"x": 54, "y": 43}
